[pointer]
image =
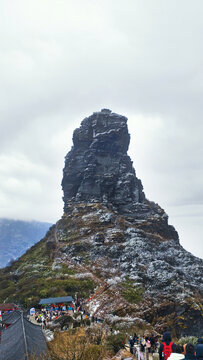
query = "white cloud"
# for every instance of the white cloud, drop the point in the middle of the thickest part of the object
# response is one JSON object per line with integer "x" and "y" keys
{"x": 62, "y": 60}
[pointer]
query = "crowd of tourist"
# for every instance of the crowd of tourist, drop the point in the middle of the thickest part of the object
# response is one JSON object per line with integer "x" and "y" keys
{"x": 48, "y": 315}
{"x": 144, "y": 348}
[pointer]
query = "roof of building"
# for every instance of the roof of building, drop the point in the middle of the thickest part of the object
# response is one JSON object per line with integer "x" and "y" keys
{"x": 57, "y": 300}
{"x": 22, "y": 339}
{"x": 9, "y": 306}
{"x": 11, "y": 317}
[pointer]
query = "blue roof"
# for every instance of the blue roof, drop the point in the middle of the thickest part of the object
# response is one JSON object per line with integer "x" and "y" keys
{"x": 57, "y": 300}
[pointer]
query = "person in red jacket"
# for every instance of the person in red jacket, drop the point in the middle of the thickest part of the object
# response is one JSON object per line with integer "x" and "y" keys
{"x": 167, "y": 346}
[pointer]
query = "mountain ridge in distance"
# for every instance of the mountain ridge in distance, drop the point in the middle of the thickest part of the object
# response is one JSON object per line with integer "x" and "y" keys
{"x": 17, "y": 236}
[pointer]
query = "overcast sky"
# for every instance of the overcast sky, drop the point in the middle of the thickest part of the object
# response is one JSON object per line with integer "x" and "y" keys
{"x": 61, "y": 60}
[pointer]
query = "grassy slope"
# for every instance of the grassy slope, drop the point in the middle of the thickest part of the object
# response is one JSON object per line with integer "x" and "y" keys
{"x": 33, "y": 277}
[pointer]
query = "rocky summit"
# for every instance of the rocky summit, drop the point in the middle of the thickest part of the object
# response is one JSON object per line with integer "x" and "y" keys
{"x": 112, "y": 244}
{"x": 98, "y": 170}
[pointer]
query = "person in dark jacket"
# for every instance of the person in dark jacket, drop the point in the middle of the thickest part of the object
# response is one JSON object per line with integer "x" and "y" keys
{"x": 131, "y": 344}
{"x": 135, "y": 338}
{"x": 199, "y": 349}
{"x": 166, "y": 341}
{"x": 152, "y": 342}
{"x": 190, "y": 352}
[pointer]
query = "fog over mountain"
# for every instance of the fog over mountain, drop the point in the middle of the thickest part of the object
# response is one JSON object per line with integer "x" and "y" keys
{"x": 62, "y": 60}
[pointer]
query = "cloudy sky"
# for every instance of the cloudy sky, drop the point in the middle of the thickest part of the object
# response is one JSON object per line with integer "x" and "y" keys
{"x": 61, "y": 60}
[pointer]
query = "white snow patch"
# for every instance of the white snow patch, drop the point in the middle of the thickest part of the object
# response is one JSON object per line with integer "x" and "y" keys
{"x": 114, "y": 281}
{"x": 93, "y": 306}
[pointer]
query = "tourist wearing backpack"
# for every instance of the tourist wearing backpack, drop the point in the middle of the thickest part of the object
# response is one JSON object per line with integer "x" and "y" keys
{"x": 167, "y": 347}
{"x": 178, "y": 354}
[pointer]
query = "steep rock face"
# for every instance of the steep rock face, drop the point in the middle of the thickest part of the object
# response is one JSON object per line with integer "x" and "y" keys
{"x": 113, "y": 227}
{"x": 98, "y": 170}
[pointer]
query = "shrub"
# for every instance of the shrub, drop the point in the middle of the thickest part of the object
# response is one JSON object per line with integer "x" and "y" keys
{"x": 188, "y": 339}
{"x": 131, "y": 294}
{"x": 43, "y": 293}
{"x": 94, "y": 352}
{"x": 67, "y": 347}
{"x": 94, "y": 335}
{"x": 116, "y": 342}
{"x": 86, "y": 322}
{"x": 74, "y": 345}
